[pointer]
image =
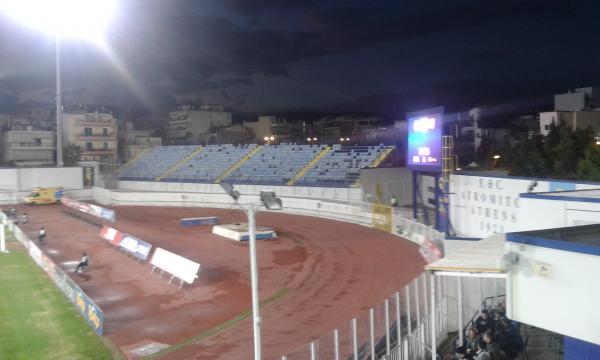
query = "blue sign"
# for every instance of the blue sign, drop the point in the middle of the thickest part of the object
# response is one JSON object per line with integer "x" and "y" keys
{"x": 108, "y": 215}
{"x": 424, "y": 150}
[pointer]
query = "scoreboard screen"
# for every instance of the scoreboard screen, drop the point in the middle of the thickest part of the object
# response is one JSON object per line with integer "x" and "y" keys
{"x": 424, "y": 151}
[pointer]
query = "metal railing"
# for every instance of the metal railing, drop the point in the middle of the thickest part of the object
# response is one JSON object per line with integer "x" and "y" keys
{"x": 399, "y": 328}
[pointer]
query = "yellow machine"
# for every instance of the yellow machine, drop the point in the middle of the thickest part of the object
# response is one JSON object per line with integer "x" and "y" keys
{"x": 40, "y": 196}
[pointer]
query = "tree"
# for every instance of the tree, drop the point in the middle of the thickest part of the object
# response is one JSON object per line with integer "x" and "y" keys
{"x": 526, "y": 157}
{"x": 71, "y": 154}
{"x": 589, "y": 167}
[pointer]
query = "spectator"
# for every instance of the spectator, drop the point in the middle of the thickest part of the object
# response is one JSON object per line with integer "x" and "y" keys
{"x": 481, "y": 353}
{"x": 471, "y": 341}
{"x": 484, "y": 322}
{"x": 461, "y": 353}
{"x": 509, "y": 338}
{"x": 493, "y": 347}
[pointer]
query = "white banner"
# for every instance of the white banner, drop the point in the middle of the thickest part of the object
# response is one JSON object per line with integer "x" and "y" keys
{"x": 176, "y": 265}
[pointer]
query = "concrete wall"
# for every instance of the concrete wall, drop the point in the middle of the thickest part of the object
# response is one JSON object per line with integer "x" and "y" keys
{"x": 338, "y": 210}
{"x": 566, "y": 301}
{"x": 387, "y": 183}
{"x": 342, "y": 194}
{"x": 25, "y": 179}
{"x": 481, "y": 206}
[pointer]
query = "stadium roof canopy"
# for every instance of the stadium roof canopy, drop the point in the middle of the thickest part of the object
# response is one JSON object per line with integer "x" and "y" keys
{"x": 479, "y": 259}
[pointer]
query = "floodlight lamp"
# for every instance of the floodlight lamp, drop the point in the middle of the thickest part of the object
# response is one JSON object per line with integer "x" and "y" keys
{"x": 266, "y": 138}
{"x": 347, "y": 139}
{"x": 228, "y": 188}
{"x": 341, "y": 139}
{"x": 270, "y": 200}
{"x": 272, "y": 138}
{"x": 496, "y": 157}
{"x": 315, "y": 139}
{"x": 308, "y": 139}
{"x": 82, "y": 19}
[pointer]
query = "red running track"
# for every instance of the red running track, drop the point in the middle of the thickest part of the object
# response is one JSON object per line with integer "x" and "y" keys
{"x": 333, "y": 271}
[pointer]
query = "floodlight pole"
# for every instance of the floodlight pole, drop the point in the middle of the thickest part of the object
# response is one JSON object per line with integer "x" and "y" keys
{"x": 251, "y": 213}
{"x": 59, "y": 150}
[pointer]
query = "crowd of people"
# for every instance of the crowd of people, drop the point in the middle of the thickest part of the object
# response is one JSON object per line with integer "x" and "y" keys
{"x": 491, "y": 337}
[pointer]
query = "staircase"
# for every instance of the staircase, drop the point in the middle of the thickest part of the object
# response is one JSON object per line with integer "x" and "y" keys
{"x": 381, "y": 157}
{"x": 378, "y": 160}
{"x": 303, "y": 171}
{"x": 178, "y": 164}
{"x": 236, "y": 166}
{"x": 134, "y": 159}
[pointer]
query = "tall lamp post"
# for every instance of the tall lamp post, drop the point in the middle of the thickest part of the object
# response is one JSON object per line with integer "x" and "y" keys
{"x": 270, "y": 201}
{"x": 79, "y": 19}
{"x": 59, "y": 150}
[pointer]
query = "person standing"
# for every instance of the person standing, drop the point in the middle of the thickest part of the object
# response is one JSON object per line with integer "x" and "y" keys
{"x": 42, "y": 236}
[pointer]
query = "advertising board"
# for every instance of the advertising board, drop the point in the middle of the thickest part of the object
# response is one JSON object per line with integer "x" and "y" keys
{"x": 138, "y": 248}
{"x": 176, "y": 265}
{"x": 111, "y": 235}
{"x": 90, "y": 209}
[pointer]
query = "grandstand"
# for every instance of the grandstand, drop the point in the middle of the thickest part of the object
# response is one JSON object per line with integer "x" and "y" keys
{"x": 341, "y": 167}
{"x": 152, "y": 164}
{"x": 208, "y": 164}
{"x": 275, "y": 164}
{"x": 281, "y": 164}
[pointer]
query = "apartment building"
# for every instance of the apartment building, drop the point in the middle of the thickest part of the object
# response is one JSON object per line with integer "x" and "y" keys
{"x": 94, "y": 132}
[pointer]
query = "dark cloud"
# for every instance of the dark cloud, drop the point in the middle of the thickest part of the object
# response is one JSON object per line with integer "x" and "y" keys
{"x": 244, "y": 52}
{"x": 493, "y": 54}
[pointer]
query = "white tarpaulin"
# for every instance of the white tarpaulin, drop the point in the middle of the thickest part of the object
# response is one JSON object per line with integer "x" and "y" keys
{"x": 481, "y": 256}
{"x": 175, "y": 265}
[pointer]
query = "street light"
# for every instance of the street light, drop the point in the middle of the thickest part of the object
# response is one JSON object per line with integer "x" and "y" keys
{"x": 496, "y": 159}
{"x": 79, "y": 19}
{"x": 270, "y": 201}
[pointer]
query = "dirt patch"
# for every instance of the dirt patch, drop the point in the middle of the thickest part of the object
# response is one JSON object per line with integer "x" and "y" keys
{"x": 290, "y": 257}
{"x": 331, "y": 270}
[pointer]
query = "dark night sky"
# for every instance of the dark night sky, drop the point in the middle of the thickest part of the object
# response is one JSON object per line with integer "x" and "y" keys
{"x": 260, "y": 56}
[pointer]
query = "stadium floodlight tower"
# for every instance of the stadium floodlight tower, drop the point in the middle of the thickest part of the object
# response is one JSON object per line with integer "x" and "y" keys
{"x": 270, "y": 201}
{"x": 78, "y": 19}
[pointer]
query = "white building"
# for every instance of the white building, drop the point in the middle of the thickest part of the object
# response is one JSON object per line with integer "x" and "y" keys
{"x": 196, "y": 124}
{"x": 580, "y": 99}
{"x": 132, "y": 142}
{"x": 95, "y": 133}
{"x": 28, "y": 147}
{"x": 573, "y": 119}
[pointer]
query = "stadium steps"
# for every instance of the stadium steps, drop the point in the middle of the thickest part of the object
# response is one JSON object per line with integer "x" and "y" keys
{"x": 235, "y": 166}
{"x": 178, "y": 164}
{"x": 378, "y": 160}
{"x": 134, "y": 159}
{"x": 303, "y": 171}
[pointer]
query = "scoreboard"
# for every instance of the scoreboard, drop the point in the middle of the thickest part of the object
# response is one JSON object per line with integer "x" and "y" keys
{"x": 424, "y": 150}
